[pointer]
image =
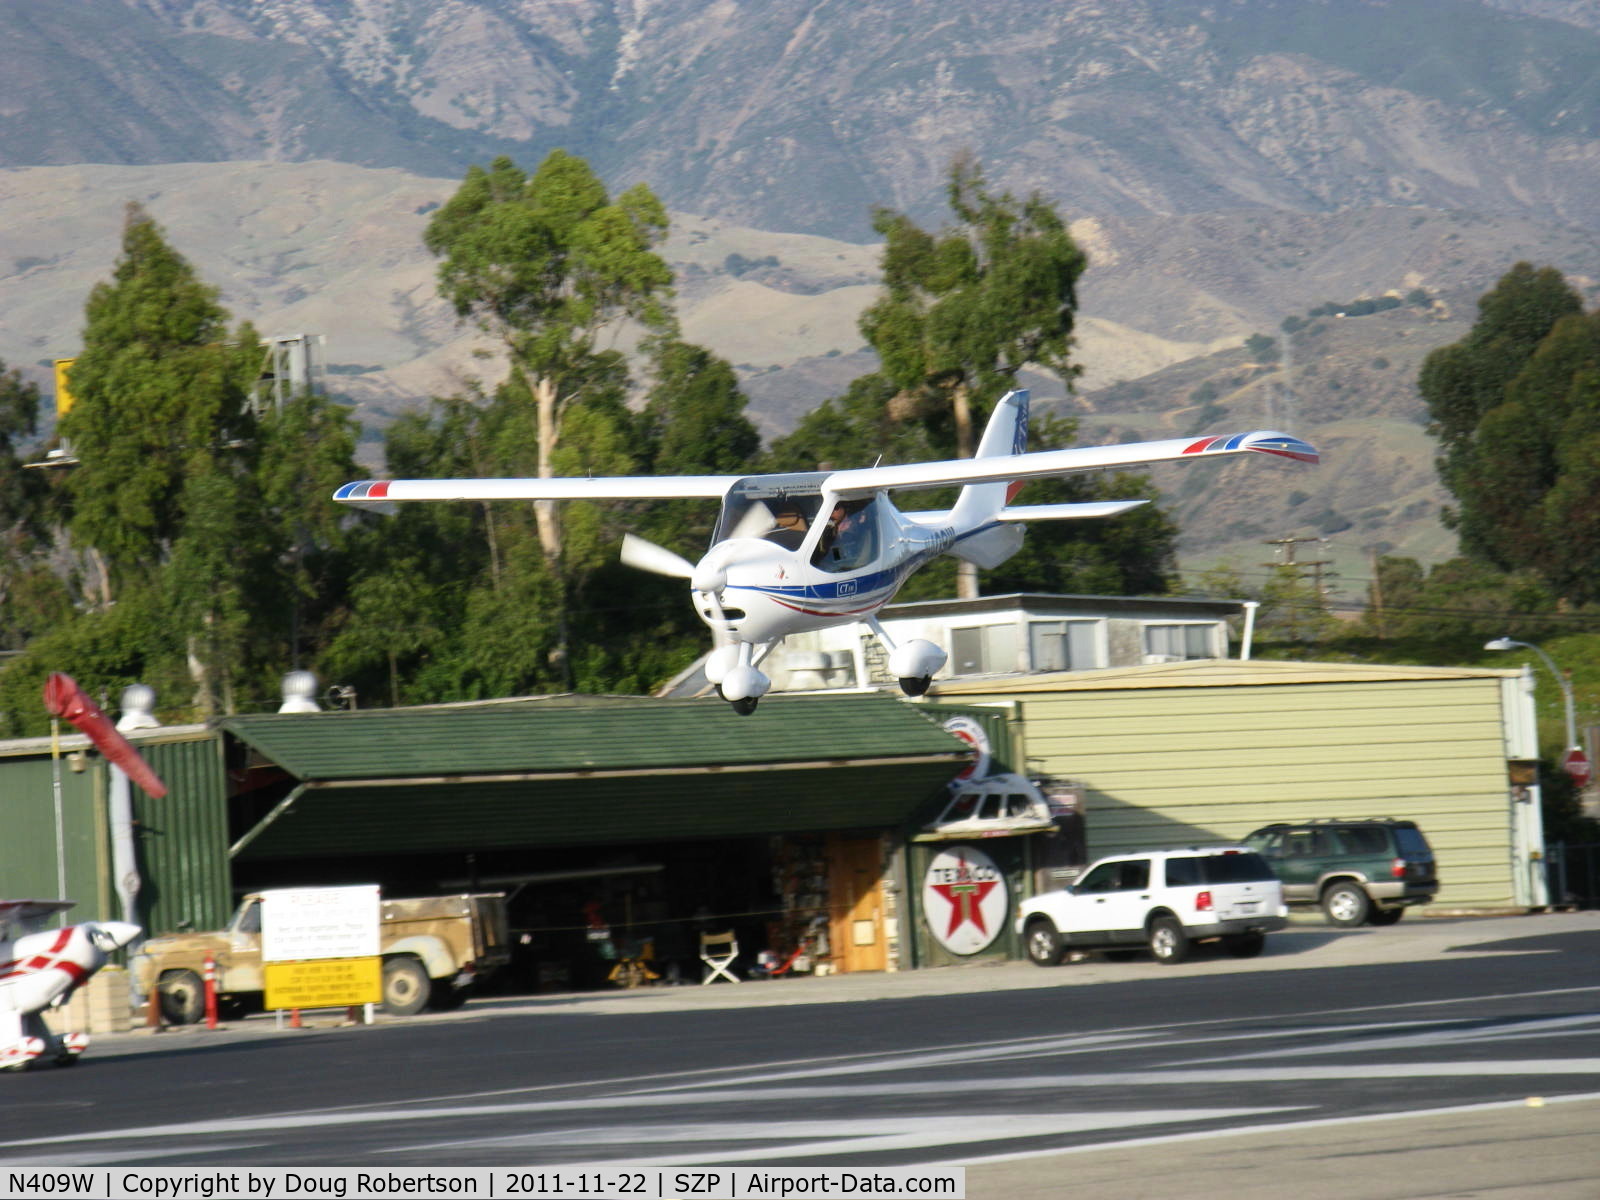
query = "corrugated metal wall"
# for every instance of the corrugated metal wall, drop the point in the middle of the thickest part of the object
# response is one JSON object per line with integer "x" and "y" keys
{"x": 181, "y": 839}
{"x": 1168, "y": 766}
{"x": 28, "y": 849}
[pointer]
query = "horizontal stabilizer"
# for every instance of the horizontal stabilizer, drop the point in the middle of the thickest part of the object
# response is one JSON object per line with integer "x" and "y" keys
{"x": 1067, "y": 512}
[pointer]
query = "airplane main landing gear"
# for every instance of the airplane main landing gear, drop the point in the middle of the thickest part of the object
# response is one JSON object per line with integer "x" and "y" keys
{"x": 913, "y": 663}
{"x": 746, "y": 705}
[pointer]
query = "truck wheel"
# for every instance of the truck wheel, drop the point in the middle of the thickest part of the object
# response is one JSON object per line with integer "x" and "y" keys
{"x": 405, "y": 986}
{"x": 1346, "y": 904}
{"x": 1168, "y": 942}
{"x": 182, "y": 997}
{"x": 1386, "y": 916}
{"x": 1044, "y": 943}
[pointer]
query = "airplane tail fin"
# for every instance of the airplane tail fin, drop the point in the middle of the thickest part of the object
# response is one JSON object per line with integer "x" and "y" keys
{"x": 1006, "y": 433}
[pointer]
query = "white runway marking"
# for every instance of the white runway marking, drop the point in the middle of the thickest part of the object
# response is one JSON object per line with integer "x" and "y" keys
{"x": 945, "y": 1086}
{"x": 814, "y": 1139}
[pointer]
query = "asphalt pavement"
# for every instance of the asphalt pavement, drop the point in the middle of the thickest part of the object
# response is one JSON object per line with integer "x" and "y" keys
{"x": 1534, "y": 1146}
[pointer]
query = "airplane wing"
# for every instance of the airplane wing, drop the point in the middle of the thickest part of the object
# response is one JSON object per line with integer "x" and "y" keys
{"x": 1046, "y": 463}
{"x": 1034, "y": 512}
{"x": 28, "y": 910}
{"x": 619, "y": 487}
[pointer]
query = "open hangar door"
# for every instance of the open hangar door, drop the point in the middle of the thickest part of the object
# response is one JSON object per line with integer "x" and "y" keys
{"x": 610, "y": 824}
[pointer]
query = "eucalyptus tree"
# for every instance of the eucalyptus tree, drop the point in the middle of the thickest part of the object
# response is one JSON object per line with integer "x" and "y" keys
{"x": 962, "y": 312}
{"x": 966, "y": 308}
{"x": 550, "y": 265}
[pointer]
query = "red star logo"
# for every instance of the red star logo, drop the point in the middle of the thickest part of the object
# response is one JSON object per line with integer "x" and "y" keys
{"x": 966, "y": 900}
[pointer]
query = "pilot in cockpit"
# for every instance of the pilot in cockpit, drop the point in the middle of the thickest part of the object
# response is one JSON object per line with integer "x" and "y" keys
{"x": 845, "y": 541}
{"x": 789, "y": 526}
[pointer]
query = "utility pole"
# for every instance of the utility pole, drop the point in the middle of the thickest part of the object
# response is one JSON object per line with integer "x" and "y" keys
{"x": 1286, "y": 552}
{"x": 1377, "y": 593}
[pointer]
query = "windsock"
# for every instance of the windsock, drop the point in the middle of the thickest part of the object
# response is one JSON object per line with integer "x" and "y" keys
{"x": 65, "y": 699}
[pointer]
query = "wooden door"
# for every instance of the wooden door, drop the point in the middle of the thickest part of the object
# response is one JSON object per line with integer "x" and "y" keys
{"x": 855, "y": 904}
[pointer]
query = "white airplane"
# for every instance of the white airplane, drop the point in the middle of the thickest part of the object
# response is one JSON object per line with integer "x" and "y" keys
{"x": 42, "y": 970}
{"x": 804, "y": 551}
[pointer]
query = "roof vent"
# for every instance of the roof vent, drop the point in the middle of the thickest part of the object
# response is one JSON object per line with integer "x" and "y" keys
{"x": 138, "y": 708}
{"x": 299, "y": 693}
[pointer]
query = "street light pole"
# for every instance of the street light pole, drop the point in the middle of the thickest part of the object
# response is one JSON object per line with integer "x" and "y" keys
{"x": 1505, "y": 643}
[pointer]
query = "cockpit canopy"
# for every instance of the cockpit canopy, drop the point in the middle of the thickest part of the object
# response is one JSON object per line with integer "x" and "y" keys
{"x": 792, "y": 511}
{"x": 775, "y": 507}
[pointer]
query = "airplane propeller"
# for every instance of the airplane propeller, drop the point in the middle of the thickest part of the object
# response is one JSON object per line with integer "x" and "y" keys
{"x": 647, "y": 556}
{"x": 708, "y": 577}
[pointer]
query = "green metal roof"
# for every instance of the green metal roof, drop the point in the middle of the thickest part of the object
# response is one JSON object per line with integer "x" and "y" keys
{"x": 568, "y": 771}
{"x": 566, "y": 734}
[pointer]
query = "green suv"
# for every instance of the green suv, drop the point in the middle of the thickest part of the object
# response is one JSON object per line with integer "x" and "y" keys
{"x": 1355, "y": 871}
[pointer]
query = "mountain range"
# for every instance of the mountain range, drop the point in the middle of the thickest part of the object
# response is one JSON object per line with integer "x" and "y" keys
{"x": 1227, "y": 164}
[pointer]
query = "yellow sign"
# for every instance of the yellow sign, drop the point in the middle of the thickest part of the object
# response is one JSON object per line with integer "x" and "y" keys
{"x": 63, "y": 394}
{"x": 324, "y": 983}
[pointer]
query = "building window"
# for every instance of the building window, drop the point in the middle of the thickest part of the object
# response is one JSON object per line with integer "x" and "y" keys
{"x": 1172, "y": 643}
{"x": 1062, "y": 645}
{"x": 983, "y": 650}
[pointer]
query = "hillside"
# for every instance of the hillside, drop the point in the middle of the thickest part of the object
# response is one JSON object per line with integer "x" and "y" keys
{"x": 1226, "y": 166}
{"x": 1166, "y": 304}
{"x": 802, "y": 117}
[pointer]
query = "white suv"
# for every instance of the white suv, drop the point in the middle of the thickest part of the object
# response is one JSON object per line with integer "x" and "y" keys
{"x": 1164, "y": 899}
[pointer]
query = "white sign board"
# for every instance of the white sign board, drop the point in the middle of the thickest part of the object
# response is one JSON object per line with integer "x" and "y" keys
{"x": 964, "y": 899}
{"x": 329, "y": 922}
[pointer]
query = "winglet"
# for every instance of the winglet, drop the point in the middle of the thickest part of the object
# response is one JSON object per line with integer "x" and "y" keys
{"x": 1282, "y": 444}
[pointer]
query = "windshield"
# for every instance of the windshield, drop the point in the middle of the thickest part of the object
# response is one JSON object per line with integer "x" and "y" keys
{"x": 779, "y": 508}
{"x": 850, "y": 538}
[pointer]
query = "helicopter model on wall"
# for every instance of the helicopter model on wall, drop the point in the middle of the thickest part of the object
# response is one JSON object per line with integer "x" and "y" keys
{"x": 802, "y": 551}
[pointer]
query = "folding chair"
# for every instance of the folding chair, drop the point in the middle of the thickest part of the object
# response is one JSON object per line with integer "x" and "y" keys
{"x": 717, "y": 951}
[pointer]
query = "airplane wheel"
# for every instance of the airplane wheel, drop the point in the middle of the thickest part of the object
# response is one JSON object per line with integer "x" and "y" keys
{"x": 916, "y": 687}
{"x": 746, "y": 706}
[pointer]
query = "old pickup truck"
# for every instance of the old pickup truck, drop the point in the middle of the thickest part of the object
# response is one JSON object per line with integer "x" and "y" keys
{"x": 433, "y": 948}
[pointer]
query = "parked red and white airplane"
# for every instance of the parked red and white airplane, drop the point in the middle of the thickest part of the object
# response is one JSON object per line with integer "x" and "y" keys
{"x": 42, "y": 970}
{"x": 808, "y": 550}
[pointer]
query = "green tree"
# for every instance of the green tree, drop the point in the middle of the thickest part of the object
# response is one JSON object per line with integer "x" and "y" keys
{"x": 965, "y": 309}
{"x": 545, "y": 264}
{"x": 161, "y": 393}
{"x": 1459, "y": 603}
{"x": 962, "y": 312}
{"x": 1291, "y": 609}
{"x": 1516, "y": 408}
{"x": 210, "y": 525}
{"x": 32, "y": 598}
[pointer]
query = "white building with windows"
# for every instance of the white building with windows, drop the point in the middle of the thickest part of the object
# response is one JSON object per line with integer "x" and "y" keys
{"x": 1008, "y": 635}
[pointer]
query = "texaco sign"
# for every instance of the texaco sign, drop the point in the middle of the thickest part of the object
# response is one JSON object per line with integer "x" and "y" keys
{"x": 964, "y": 900}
